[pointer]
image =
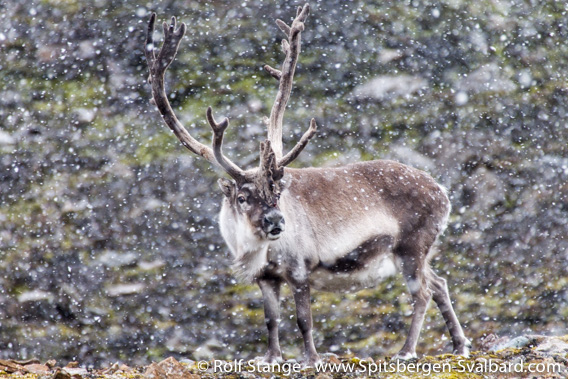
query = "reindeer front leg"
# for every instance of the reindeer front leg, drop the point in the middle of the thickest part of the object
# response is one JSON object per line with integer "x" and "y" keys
{"x": 304, "y": 314}
{"x": 271, "y": 296}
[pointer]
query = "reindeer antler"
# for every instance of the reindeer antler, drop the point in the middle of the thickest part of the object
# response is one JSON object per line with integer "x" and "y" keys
{"x": 218, "y": 130}
{"x": 269, "y": 174}
{"x": 293, "y": 154}
{"x": 291, "y": 48}
{"x": 158, "y": 66}
{"x": 271, "y": 151}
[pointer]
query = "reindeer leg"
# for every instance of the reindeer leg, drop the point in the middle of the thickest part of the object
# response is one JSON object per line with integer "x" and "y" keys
{"x": 304, "y": 314}
{"x": 442, "y": 299}
{"x": 271, "y": 296}
{"x": 412, "y": 270}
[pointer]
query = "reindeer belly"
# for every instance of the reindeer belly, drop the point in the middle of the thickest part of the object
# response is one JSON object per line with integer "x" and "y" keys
{"x": 364, "y": 267}
{"x": 367, "y": 276}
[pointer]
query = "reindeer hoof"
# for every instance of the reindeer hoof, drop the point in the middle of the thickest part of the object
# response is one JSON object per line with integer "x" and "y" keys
{"x": 463, "y": 348}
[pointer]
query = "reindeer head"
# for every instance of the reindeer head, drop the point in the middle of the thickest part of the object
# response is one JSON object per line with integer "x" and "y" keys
{"x": 253, "y": 197}
{"x": 252, "y": 194}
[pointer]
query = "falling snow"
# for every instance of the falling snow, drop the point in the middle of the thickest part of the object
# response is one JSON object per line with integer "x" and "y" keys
{"x": 109, "y": 244}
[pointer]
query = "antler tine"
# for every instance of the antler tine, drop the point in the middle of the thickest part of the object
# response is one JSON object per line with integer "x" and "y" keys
{"x": 276, "y": 74}
{"x": 172, "y": 40}
{"x": 285, "y": 77}
{"x": 149, "y": 48}
{"x": 218, "y": 130}
{"x": 158, "y": 66}
{"x": 284, "y": 27}
{"x": 302, "y": 143}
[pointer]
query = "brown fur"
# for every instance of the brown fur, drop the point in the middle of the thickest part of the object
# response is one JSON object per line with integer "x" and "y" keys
{"x": 419, "y": 203}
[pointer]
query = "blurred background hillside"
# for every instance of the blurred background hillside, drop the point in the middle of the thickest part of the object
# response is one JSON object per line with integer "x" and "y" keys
{"x": 109, "y": 246}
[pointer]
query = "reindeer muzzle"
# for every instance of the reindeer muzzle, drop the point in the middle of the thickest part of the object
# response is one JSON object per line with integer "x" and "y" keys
{"x": 273, "y": 224}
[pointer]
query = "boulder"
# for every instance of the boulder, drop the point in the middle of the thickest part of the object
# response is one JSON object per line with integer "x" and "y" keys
{"x": 387, "y": 87}
{"x": 168, "y": 368}
{"x": 487, "y": 78}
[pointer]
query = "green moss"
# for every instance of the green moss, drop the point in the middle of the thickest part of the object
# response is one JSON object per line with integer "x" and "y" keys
{"x": 70, "y": 6}
{"x": 253, "y": 316}
{"x": 241, "y": 289}
{"x": 324, "y": 158}
{"x": 154, "y": 148}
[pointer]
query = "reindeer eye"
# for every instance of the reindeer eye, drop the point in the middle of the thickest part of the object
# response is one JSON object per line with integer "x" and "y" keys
{"x": 241, "y": 199}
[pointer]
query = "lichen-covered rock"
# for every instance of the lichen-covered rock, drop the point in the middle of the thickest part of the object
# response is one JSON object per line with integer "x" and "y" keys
{"x": 169, "y": 368}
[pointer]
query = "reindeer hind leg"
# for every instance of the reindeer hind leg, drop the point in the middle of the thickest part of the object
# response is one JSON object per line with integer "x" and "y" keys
{"x": 441, "y": 296}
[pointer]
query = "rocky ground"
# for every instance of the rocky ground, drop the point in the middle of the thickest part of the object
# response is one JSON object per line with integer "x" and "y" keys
{"x": 109, "y": 248}
{"x": 525, "y": 356}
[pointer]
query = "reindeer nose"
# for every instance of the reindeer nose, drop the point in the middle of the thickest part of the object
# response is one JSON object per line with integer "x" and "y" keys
{"x": 273, "y": 223}
{"x": 273, "y": 219}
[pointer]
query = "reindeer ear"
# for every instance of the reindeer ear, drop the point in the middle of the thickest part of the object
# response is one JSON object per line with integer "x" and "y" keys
{"x": 227, "y": 186}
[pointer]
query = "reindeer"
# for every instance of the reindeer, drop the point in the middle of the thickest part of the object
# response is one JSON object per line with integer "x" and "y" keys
{"x": 333, "y": 229}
